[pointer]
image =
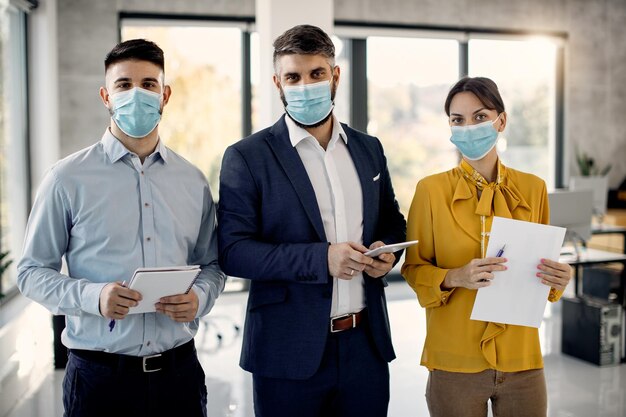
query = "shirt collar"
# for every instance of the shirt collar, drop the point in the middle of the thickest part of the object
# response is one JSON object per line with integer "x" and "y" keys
{"x": 297, "y": 134}
{"x": 115, "y": 150}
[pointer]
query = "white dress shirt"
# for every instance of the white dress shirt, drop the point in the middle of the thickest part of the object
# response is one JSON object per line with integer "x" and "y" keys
{"x": 339, "y": 197}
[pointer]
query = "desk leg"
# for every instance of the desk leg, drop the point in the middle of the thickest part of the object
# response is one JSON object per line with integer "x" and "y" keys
{"x": 622, "y": 301}
{"x": 60, "y": 351}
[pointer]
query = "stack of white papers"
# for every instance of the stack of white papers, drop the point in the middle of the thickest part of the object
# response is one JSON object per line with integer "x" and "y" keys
{"x": 517, "y": 296}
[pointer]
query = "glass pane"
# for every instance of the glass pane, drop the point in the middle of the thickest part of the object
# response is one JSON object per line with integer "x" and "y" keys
{"x": 342, "y": 99}
{"x": 525, "y": 74}
{"x": 255, "y": 75}
{"x": 204, "y": 114}
{"x": 4, "y": 220}
{"x": 13, "y": 138}
{"x": 407, "y": 92}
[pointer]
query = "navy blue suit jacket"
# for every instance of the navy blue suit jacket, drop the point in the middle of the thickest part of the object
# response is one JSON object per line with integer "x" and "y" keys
{"x": 270, "y": 231}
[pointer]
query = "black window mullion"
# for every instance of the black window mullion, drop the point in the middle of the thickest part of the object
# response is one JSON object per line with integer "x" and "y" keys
{"x": 357, "y": 56}
{"x": 559, "y": 137}
{"x": 246, "y": 85}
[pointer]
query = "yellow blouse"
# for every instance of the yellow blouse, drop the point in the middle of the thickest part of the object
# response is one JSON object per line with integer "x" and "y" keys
{"x": 444, "y": 218}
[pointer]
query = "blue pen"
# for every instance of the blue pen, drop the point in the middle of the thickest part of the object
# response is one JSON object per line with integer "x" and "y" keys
{"x": 112, "y": 322}
{"x": 501, "y": 251}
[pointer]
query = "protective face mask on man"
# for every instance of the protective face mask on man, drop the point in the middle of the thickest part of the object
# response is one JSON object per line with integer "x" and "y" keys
{"x": 310, "y": 103}
{"x": 137, "y": 111}
{"x": 475, "y": 141}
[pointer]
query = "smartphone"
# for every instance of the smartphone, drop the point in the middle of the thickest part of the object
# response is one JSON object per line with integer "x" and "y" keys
{"x": 390, "y": 248}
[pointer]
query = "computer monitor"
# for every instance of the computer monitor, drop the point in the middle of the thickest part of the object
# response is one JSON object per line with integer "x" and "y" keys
{"x": 600, "y": 187}
{"x": 572, "y": 210}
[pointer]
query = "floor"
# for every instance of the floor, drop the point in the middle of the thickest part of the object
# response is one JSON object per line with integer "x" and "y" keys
{"x": 575, "y": 388}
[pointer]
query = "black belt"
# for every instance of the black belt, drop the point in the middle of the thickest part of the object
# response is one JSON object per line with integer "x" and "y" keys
{"x": 150, "y": 363}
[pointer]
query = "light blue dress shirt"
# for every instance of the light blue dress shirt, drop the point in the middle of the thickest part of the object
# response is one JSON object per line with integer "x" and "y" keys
{"x": 109, "y": 214}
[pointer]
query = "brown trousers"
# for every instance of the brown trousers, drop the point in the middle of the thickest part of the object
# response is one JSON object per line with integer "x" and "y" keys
{"x": 512, "y": 394}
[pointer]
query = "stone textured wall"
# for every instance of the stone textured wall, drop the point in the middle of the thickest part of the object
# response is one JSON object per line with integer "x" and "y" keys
{"x": 595, "y": 89}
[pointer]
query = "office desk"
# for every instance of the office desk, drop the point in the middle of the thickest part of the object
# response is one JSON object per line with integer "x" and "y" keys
{"x": 590, "y": 257}
{"x": 610, "y": 229}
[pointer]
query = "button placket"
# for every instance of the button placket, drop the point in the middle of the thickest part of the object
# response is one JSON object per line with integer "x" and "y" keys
{"x": 148, "y": 244}
{"x": 343, "y": 286}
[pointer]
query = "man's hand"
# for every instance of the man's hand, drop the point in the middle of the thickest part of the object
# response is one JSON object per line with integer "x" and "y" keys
{"x": 181, "y": 308}
{"x": 347, "y": 259}
{"x": 382, "y": 264}
{"x": 115, "y": 300}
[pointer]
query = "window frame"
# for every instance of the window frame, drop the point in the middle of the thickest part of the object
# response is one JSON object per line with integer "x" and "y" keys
{"x": 352, "y": 30}
{"x": 355, "y": 34}
{"x": 18, "y": 74}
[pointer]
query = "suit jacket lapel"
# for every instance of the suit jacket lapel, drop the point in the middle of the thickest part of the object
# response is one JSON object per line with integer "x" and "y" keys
{"x": 363, "y": 163}
{"x": 290, "y": 161}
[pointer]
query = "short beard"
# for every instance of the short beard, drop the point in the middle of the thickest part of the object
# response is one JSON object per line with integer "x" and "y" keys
{"x": 333, "y": 90}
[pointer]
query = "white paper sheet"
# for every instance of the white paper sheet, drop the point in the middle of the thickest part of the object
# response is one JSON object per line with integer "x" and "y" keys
{"x": 517, "y": 296}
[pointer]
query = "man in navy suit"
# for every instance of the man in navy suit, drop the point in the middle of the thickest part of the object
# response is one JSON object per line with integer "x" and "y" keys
{"x": 300, "y": 202}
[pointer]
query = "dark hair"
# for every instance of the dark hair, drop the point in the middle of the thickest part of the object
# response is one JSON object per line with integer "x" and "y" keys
{"x": 304, "y": 40}
{"x": 135, "y": 49}
{"x": 483, "y": 88}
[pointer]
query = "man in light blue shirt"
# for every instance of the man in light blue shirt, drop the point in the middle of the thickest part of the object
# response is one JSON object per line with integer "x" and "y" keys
{"x": 126, "y": 202}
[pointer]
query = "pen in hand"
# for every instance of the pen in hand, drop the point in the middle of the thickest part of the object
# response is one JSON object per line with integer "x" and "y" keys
{"x": 501, "y": 251}
{"x": 112, "y": 322}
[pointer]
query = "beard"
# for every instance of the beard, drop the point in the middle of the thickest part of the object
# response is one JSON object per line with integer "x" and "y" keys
{"x": 333, "y": 91}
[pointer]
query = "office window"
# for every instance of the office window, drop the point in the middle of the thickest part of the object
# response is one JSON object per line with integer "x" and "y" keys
{"x": 525, "y": 72}
{"x": 408, "y": 80}
{"x": 204, "y": 114}
{"x": 14, "y": 179}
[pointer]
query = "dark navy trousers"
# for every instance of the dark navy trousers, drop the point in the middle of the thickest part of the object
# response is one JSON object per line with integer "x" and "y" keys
{"x": 352, "y": 381}
{"x": 94, "y": 389}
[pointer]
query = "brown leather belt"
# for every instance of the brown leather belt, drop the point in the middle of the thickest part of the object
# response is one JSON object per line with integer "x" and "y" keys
{"x": 346, "y": 321}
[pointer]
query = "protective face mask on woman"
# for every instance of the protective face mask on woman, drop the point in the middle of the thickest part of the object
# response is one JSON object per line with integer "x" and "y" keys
{"x": 136, "y": 112}
{"x": 310, "y": 103}
{"x": 475, "y": 141}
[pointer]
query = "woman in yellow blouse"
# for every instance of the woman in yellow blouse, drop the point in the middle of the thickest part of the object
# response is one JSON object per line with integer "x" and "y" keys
{"x": 471, "y": 362}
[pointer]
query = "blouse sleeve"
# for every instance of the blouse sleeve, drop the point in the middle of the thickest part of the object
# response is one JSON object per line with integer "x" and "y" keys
{"x": 419, "y": 268}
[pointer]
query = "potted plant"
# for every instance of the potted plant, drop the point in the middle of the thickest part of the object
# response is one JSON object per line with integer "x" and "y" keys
{"x": 4, "y": 264}
{"x": 592, "y": 177}
{"x": 588, "y": 167}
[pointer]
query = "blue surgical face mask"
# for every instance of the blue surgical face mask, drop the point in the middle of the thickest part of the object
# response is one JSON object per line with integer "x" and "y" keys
{"x": 308, "y": 104}
{"x": 136, "y": 112}
{"x": 475, "y": 141}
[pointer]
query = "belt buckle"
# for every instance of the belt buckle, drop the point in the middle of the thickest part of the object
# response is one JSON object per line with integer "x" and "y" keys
{"x": 144, "y": 361}
{"x": 332, "y": 321}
